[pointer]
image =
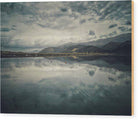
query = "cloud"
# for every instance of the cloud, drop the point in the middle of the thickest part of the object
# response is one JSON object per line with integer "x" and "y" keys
{"x": 124, "y": 29}
{"x": 128, "y": 23}
{"x": 5, "y": 29}
{"x": 63, "y": 9}
{"x": 20, "y": 8}
{"x": 44, "y": 24}
{"x": 82, "y": 21}
{"x": 112, "y": 33}
{"x": 91, "y": 33}
{"x": 113, "y": 25}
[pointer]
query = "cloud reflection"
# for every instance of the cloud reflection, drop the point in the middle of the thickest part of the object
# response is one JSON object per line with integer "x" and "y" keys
{"x": 40, "y": 85}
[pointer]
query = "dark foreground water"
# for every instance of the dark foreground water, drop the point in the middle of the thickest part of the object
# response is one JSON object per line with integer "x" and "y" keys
{"x": 66, "y": 85}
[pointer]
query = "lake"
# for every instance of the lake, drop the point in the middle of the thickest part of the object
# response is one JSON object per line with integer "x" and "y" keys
{"x": 63, "y": 85}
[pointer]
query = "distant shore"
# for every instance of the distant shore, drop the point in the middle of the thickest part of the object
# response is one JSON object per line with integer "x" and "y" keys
{"x": 21, "y": 54}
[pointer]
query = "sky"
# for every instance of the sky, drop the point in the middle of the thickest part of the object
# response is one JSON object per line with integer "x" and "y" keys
{"x": 32, "y": 26}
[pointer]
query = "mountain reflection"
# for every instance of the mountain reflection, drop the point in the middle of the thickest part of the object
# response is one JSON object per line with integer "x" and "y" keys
{"x": 66, "y": 86}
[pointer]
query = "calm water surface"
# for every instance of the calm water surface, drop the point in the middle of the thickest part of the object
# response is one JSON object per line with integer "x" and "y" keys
{"x": 66, "y": 85}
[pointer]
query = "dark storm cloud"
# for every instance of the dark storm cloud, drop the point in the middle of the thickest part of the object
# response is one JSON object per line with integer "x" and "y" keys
{"x": 124, "y": 29}
{"x": 82, "y": 21}
{"x": 78, "y": 7}
{"x": 13, "y": 28}
{"x": 113, "y": 33}
{"x": 103, "y": 9}
{"x": 98, "y": 10}
{"x": 116, "y": 10}
{"x": 91, "y": 33}
{"x": 63, "y": 9}
{"x": 5, "y": 29}
{"x": 128, "y": 23}
{"x": 113, "y": 25}
{"x": 20, "y": 8}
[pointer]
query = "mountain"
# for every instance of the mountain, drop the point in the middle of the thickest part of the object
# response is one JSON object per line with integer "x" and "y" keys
{"x": 91, "y": 49}
{"x": 111, "y": 45}
{"x": 72, "y": 49}
{"x": 119, "y": 44}
{"x": 123, "y": 48}
{"x": 102, "y": 42}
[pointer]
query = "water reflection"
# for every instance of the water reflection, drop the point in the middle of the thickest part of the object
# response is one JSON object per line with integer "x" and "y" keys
{"x": 65, "y": 85}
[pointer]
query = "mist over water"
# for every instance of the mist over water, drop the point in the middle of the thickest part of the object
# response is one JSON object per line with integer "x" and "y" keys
{"x": 66, "y": 85}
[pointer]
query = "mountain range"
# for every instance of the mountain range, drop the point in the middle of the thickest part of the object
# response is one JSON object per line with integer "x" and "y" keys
{"x": 120, "y": 44}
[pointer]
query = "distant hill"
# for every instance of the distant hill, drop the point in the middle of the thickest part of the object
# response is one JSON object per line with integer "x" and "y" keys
{"x": 111, "y": 45}
{"x": 91, "y": 49}
{"x": 123, "y": 48}
{"x": 119, "y": 44}
{"x": 102, "y": 42}
{"x": 72, "y": 49}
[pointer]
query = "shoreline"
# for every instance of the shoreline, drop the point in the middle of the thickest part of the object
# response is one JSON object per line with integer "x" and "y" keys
{"x": 14, "y": 55}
